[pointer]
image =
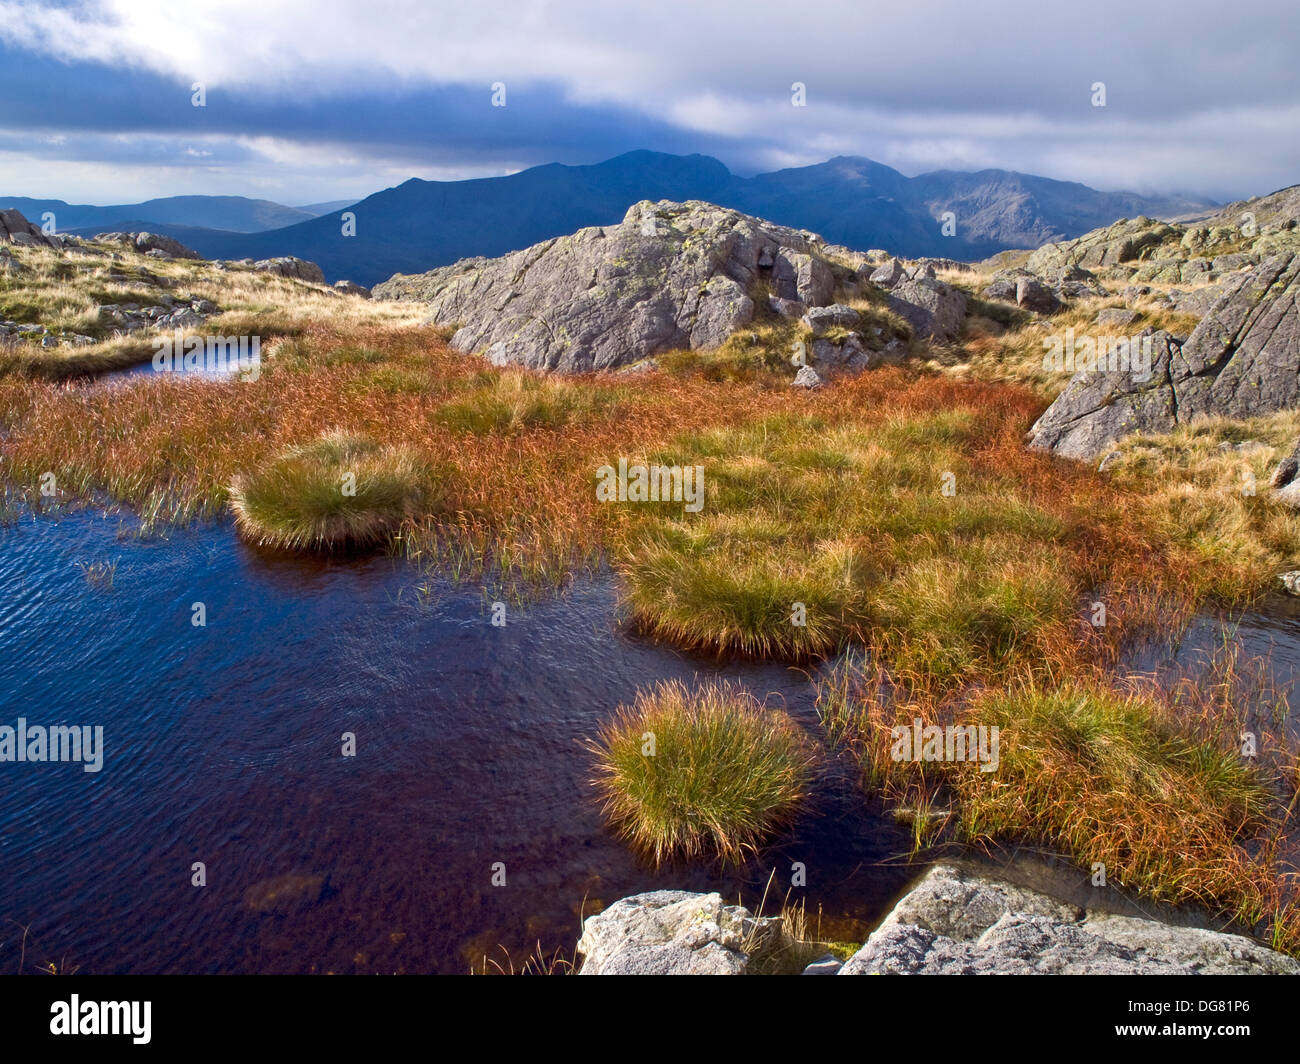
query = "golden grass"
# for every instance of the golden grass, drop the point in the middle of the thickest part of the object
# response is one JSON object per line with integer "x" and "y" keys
{"x": 1149, "y": 782}
{"x": 63, "y": 292}
{"x": 830, "y": 499}
{"x": 336, "y": 491}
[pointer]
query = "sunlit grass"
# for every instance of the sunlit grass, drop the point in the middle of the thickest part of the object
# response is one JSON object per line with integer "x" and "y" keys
{"x": 693, "y": 773}
{"x": 337, "y": 491}
{"x": 1149, "y": 783}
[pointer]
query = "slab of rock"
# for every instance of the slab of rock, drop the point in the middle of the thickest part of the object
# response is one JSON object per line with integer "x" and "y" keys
{"x": 1116, "y": 317}
{"x": 1242, "y": 359}
{"x": 934, "y": 310}
{"x": 670, "y": 275}
{"x": 822, "y": 320}
{"x": 959, "y": 922}
{"x": 290, "y": 266}
{"x": 675, "y": 932}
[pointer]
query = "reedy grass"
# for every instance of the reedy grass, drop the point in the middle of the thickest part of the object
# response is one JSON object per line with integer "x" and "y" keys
{"x": 1147, "y": 779}
{"x": 724, "y": 774}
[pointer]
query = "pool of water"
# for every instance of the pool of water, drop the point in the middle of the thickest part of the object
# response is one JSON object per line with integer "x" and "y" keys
{"x": 223, "y": 745}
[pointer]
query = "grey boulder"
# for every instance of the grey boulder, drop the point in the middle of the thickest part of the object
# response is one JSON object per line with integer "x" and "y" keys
{"x": 822, "y": 320}
{"x": 956, "y": 921}
{"x": 675, "y": 932}
{"x": 889, "y": 274}
{"x": 16, "y": 229}
{"x": 935, "y": 310}
{"x": 351, "y": 288}
{"x": 1033, "y": 295}
{"x": 290, "y": 266}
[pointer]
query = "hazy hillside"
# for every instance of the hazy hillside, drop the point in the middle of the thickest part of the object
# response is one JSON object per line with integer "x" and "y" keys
{"x": 233, "y": 213}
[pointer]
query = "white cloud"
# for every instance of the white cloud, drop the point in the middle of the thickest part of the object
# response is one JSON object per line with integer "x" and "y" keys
{"x": 1192, "y": 101}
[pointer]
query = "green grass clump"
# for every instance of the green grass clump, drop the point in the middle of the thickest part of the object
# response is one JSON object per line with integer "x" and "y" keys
{"x": 724, "y": 774}
{"x": 812, "y": 537}
{"x": 299, "y": 501}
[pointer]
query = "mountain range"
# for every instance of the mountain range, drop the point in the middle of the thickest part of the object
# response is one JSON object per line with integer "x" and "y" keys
{"x": 421, "y": 224}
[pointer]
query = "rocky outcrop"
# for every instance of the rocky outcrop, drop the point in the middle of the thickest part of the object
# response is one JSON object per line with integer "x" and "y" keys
{"x": 289, "y": 266}
{"x": 674, "y": 932}
{"x": 351, "y": 288}
{"x": 961, "y": 922}
{"x": 670, "y": 275}
{"x": 15, "y": 229}
{"x": 152, "y": 244}
{"x": 1242, "y": 359}
{"x": 955, "y": 920}
{"x": 1123, "y": 242}
{"x": 1044, "y": 293}
{"x": 132, "y": 317}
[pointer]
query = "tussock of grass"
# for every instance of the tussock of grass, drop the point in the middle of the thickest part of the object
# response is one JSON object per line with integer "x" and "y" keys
{"x": 299, "y": 501}
{"x": 725, "y": 774}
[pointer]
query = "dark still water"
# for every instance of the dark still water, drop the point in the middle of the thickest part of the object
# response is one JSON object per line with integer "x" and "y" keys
{"x": 223, "y": 745}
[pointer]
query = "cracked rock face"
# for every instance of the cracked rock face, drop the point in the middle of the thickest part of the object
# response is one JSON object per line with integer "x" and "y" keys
{"x": 1242, "y": 359}
{"x": 958, "y": 922}
{"x": 670, "y": 275}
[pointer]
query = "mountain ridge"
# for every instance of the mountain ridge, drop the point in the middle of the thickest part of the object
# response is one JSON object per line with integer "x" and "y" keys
{"x": 850, "y": 200}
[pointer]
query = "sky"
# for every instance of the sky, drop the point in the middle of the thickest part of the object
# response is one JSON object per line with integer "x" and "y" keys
{"x": 314, "y": 100}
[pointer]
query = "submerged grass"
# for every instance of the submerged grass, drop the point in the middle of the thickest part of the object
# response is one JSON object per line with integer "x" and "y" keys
{"x": 705, "y": 772}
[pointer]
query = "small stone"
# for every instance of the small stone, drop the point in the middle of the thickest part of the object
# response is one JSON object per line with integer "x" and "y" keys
{"x": 828, "y": 964}
{"x": 807, "y": 377}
